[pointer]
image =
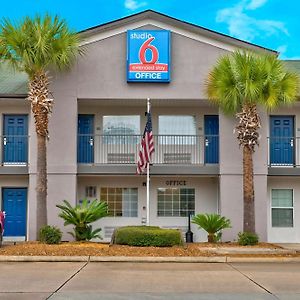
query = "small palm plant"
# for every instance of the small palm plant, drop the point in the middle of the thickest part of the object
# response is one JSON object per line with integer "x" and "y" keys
{"x": 81, "y": 216}
{"x": 212, "y": 224}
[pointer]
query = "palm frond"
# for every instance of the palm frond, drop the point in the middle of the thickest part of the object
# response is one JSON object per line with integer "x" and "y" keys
{"x": 211, "y": 223}
{"x": 246, "y": 78}
{"x": 82, "y": 215}
{"x": 38, "y": 44}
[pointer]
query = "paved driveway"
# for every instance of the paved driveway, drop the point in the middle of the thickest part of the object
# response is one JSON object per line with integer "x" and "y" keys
{"x": 118, "y": 281}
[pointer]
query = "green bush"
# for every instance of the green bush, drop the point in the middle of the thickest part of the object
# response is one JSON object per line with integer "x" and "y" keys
{"x": 212, "y": 224}
{"x": 145, "y": 236}
{"x": 50, "y": 234}
{"x": 81, "y": 216}
{"x": 247, "y": 238}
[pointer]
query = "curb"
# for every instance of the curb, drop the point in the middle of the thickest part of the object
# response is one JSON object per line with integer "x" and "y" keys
{"x": 159, "y": 259}
{"x": 230, "y": 259}
{"x": 44, "y": 258}
{"x": 147, "y": 259}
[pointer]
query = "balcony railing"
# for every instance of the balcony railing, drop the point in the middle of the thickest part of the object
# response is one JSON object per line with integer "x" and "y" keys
{"x": 169, "y": 149}
{"x": 283, "y": 151}
{"x": 14, "y": 149}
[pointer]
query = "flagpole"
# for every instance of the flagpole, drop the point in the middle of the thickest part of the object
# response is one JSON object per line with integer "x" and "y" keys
{"x": 148, "y": 177}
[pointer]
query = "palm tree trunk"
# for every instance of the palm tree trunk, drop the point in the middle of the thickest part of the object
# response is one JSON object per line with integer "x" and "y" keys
{"x": 248, "y": 184}
{"x": 211, "y": 238}
{"x": 248, "y": 136}
{"x": 41, "y": 107}
{"x": 41, "y": 182}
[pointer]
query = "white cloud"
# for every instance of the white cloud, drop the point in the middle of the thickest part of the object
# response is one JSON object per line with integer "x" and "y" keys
{"x": 242, "y": 26}
{"x": 282, "y": 53}
{"x": 254, "y": 4}
{"x": 134, "y": 4}
{"x": 282, "y": 49}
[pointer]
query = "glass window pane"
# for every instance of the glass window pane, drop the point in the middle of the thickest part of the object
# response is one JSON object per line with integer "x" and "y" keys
{"x": 103, "y": 191}
{"x": 161, "y": 191}
{"x": 282, "y": 198}
{"x": 175, "y": 202}
{"x": 125, "y": 125}
{"x": 117, "y": 129}
{"x": 121, "y": 201}
{"x": 177, "y": 125}
{"x": 111, "y": 191}
{"x": 173, "y": 130}
{"x": 282, "y": 217}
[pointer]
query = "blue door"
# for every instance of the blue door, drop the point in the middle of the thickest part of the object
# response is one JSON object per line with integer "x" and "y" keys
{"x": 14, "y": 205}
{"x": 211, "y": 131}
{"x": 15, "y": 142}
{"x": 85, "y": 144}
{"x": 282, "y": 140}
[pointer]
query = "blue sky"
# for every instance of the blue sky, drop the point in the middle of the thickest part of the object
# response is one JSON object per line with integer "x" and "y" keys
{"x": 270, "y": 23}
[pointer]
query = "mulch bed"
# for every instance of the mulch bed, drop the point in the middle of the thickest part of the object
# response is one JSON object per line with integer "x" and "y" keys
{"x": 101, "y": 249}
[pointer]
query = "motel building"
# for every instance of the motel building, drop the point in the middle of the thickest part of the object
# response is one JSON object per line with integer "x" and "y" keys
{"x": 99, "y": 118}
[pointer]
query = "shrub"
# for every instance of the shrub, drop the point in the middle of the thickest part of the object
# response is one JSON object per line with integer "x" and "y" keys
{"x": 81, "y": 216}
{"x": 50, "y": 234}
{"x": 144, "y": 236}
{"x": 247, "y": 238}
{"x": 212, "y": 224}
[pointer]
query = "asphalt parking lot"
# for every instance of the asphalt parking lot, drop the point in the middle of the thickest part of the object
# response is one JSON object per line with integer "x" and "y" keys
{"x": 119, "y": 281}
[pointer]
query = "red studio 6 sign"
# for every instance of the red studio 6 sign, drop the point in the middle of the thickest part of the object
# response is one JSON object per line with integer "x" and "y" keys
{"x": 148, "y": 56}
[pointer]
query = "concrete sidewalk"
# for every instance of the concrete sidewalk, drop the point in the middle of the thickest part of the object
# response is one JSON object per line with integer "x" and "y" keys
{"x": 161, "y": 281}
{"x": 290, "y": 246}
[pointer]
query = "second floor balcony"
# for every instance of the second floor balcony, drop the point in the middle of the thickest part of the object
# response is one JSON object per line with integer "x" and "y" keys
{"x": 169, "y": 149}
{"x": 284, "y": 155}
{"x": 14, "y": 153}
{"x": 283, "y": 151}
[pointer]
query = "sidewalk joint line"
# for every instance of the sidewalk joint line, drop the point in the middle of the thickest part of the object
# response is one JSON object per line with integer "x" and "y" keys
{"x": 253, "y": 281}
{"x": 71, "y": 277}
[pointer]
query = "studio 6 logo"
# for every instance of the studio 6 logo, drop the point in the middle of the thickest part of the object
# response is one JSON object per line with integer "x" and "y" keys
{"x": 148, "y": 55}
{"x": 153, "y": 49}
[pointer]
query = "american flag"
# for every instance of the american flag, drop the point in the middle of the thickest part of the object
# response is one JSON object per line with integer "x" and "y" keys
{"x": 147, "y": 147}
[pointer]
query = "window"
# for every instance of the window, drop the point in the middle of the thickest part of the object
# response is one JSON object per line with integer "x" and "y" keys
{"x": 181, "y": 128}
{"x": 282, "y": 208}
{"x": 122, "y": 202}
{"x": 175, "y": 202}
{"x": 121, "y": 129}
{"x": 90, "y": 191}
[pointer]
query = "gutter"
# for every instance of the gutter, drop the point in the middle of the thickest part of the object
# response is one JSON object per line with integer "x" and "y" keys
{"x": 14, "y": 96}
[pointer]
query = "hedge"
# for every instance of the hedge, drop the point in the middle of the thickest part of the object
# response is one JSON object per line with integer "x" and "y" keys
{"x": 50, "y": 234}
{"x": 144, "y": 236}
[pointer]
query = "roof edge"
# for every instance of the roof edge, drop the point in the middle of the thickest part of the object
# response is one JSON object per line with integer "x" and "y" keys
{"x": 150, "y": 11}
{"x": 13, "y": 96}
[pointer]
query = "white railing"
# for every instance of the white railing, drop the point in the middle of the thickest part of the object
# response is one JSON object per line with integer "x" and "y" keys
{"x": 283, "y": 151}
{"x": 169, "y": 149}
{"x": 14, "y": 149}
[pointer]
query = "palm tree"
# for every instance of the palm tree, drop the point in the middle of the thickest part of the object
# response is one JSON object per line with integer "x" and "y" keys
{"x": 212, "y": 224}
{"x": 239, "y": 83}
{"x": 36, "y": 45}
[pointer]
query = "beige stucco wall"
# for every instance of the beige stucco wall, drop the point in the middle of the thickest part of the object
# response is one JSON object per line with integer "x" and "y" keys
{"x": 206, "y": 199}
{"x": 100, "y": 74}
